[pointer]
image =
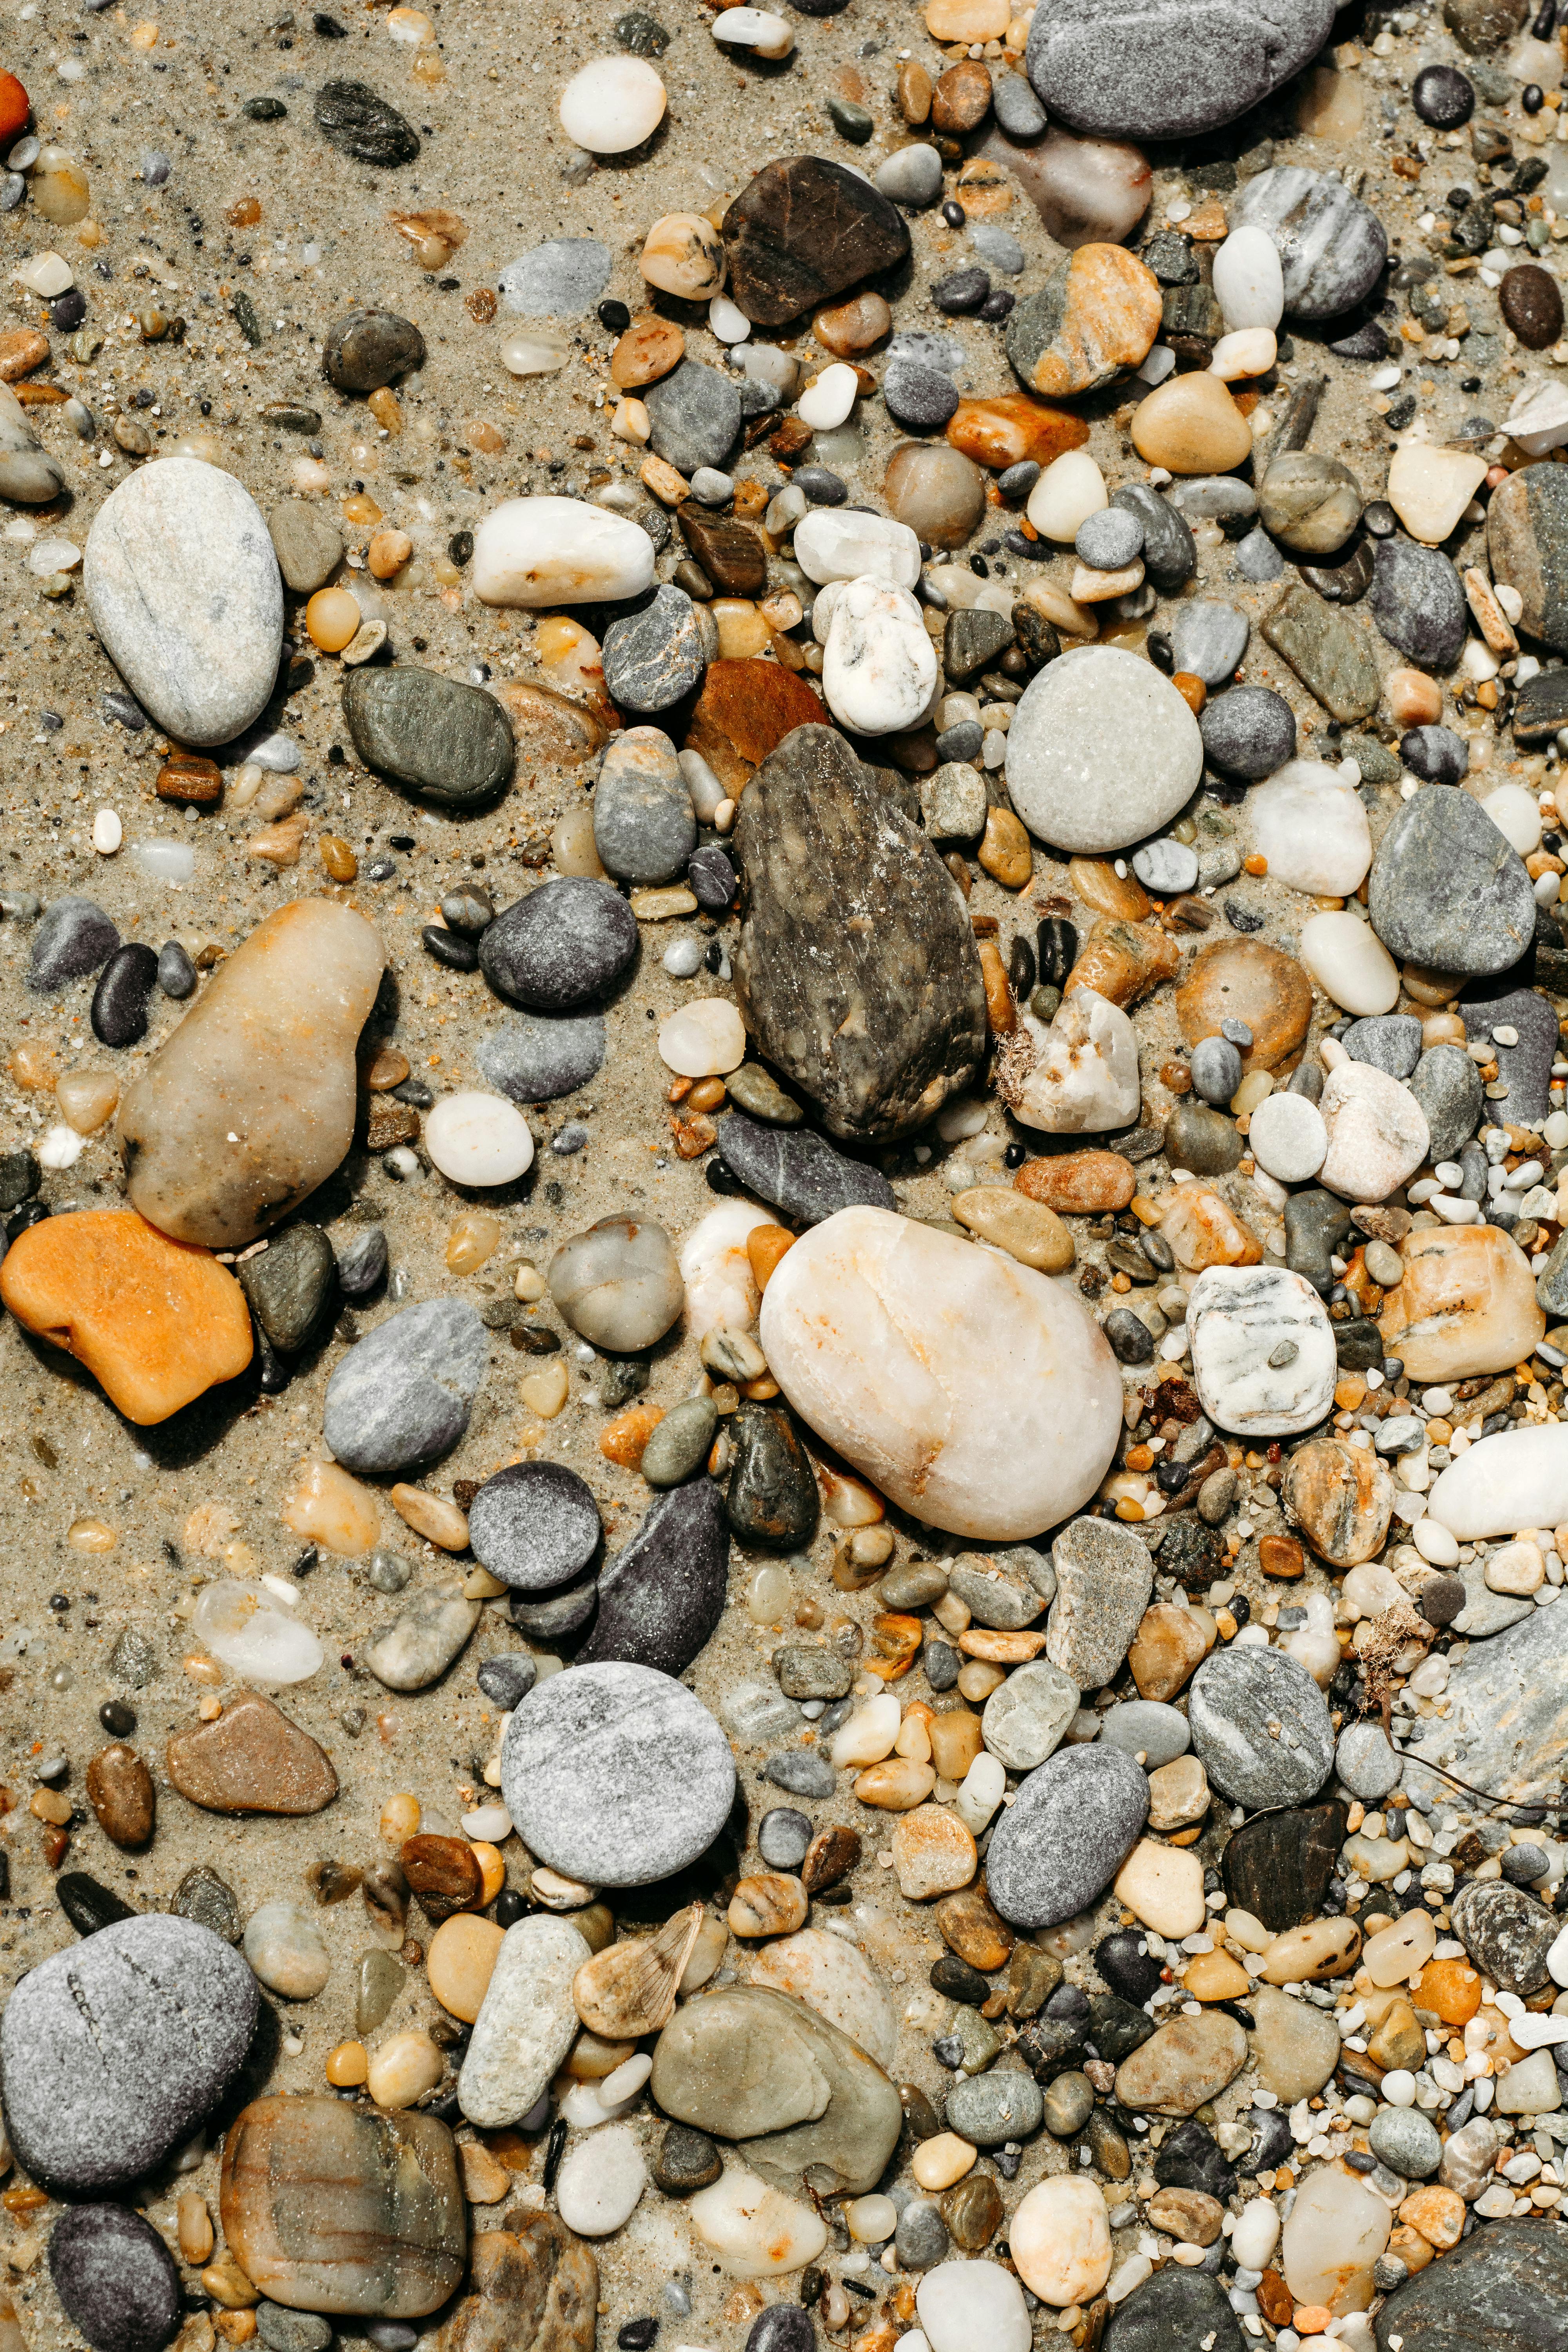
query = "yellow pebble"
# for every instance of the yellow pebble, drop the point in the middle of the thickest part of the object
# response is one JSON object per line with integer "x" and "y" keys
{"x": 439, "y": 1522}
{"x": 403, "y": 2069}
{"x": 544, "y": 1392}
{"x": 194, "y": 2225}
{"x": 493, "y": 1871}
{"x": 461, "y": 1959}
{"x": 475, "y": 1237}
{"x": 938, "y": 2163}
{"x": 331, "y": 619}
{"x": 347, "y": 2065}
{"x": 399, "y": 1818}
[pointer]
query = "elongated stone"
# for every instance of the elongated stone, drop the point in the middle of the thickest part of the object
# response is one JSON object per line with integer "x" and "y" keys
{"x": 448, "y": 741}
{"x": 1447, "y": 889}
{"x": 660, "y": 1600}
{"x": 250, "y": 1104}
{"x": 419, "y": 1646}
{"x": 1182, "y": 2064}
{"x": 527, "y": 2022}
{"x": 1163, "y": 68}
{"x": 1058, "y": 1847}
{"x": 797, "y": 1172}
{"x": 857, "y": 970}
{"x": 535, "y": 2289}
{"x": 342, "y": 2209}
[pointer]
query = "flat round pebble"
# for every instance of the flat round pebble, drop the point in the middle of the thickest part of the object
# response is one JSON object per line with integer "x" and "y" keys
{"x": 1260, "y": 1726}
{"x": 115, "y": 2278}
{"x": 563, "y": 945}
{"x": 1287, "y": 1137}
{"x": 1063, "y": 1840}
{"x": 479, "y": 1138}
{"x": 1102, "y": 751}
{"x": 539, "y": 1058}
{"x": 534, "y": 1525}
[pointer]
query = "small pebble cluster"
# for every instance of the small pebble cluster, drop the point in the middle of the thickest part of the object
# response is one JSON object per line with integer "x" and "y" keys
{"x": 784, "y": 1178}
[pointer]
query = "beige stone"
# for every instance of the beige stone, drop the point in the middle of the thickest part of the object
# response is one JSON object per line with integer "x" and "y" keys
{"x": 1178, "y": 1793}
{"x": 934, "y": 1853}
{"x": 1323, "y": 1948}
{"x": 1010, "y": 1221}
{"x": 1162, "y": 1885}
{"x": 1169, "y": 1645}
{"x": 1466, "y": 1304}
{"x": 1191, "y": 425}
{"x": 1182, "y": 2066}
{"x": 1342, "y": 1498}
{"x": 1297, "y": 2047}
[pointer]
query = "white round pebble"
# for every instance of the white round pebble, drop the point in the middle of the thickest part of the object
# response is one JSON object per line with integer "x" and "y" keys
{"x": 1350, "y": 963}
{"x": 1287, "y": 1138}
{"x": 729, "y": 325}
{"x": 534, "y": 350}
{"x": 880, "y": 666}
{"x": 1071, "y": 489}
{"x": 1255, "y": 2234}
{"x": 829, "y": 400}
{"x": 1308, "y": 821}
{"x": 972, "y": 2307}
{"x": 682, "y": 959}
{"x": 1516, "y": 816}
{"x": 108, "y": 833}
{"x": 704, "y": 1039}
{"x": 598, "y": 2186}
{"x": 835, "y": 543}
{"x": 754, "y": 28}
{"x": 613, "y": 104}
{"x": 1250, "y": 350}
{"x": 1250, "y": 280}
{"x": 61, "y": 1147}
{"x": 479, "y": 1138}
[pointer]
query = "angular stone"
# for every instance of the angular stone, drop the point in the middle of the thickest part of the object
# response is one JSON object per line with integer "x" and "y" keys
{"x": 744, "y": 711}
{"x": 1446, "y": 888}
{"x": 402, "y": 1394}
{"x": 1105, "y": 1573}
{"x": 419, "y": 1646}
{"x": 661, "y": 1597}
{"x": 1060, "y": 1844}
{"x": 1525, "y": 1067}
{"x": 288, "y": 1285}
{"x": 1506, "y": 1729}
{"x": 1506, "y": 2287}
{"x": 729, "y": 549}
{"x": 1278, "y": 1865}
{"x": 1098, "y": 314}
{"x": 252, "y": 1759}
{"x": 850, "y": 912}
{"x": 251, "y": 1103}
{"x": 452, "y": 742}
{"x": 1329, "y": 652}
{"x": 1449, "y": 1089}
{"x": 1507, "y": 1934}
{"x": 343, "y": 2209}
{"x": 535, "y": 2288}
{"x": 1182, "y": 2066}
{"x": 1262, "y": 1349}
{"x": 1166, "y": 70}
{"x": 802, "y": 231}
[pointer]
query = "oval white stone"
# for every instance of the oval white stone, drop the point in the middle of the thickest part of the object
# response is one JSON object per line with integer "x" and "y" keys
{"x": 1350, "y": 962}
{"x": 479, "y": 1138}
{"x": 1377, "y": 1132}
{"x": 721, "y": 1287}
{"x": 1287, "y": 1138}
{"x": 1516, "y": 816}
{"x": 184, "y": 588}
{"x": 755, "y": 2230}
{"x": 880, "y": 665}
{"x": 702, "y": 1039}
{"x": 533, "y": 552}
{"x": 600, "y": 2182}
{"x": 1517, "y": 1479}
{"x": 613, "y": 104}
{"x": 1102, "y": 751}
{"x": 1308, "y": 822}
{"x": 1071, "y": 489}
{"x": 828, "y": 401}
{"x": 1237, "y": 1317}
{"x": 1060, "y": 2240}
{"x": 976, "y": 1394}
{"x": 1250, "y": 280}
{"x": 835, "y": 543}
{"x": 972, "y": 2307}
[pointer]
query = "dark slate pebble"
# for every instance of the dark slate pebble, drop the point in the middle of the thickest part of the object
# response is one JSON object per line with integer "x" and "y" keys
{"x": 688, "y": 2160}
{"x": 773, "y": 1500}
{"x": 1018, "y": 110}
{"x": 1015, "y": 482}
{"x": 1064, "y": 1840}
{"x": 1116, "y": 2027}
{"x": 119, "y": 1000}
{"x": 403, "y": 1395}
{"x": 972, "y": 640}
{"x": 540, "y": 1057}
{"x": 1417, "y": 602}
{"x": 695, "y": 414}
{"x": 713, "y": 879}
{"x": 1446, "y": 890}
{"x": 1174, "y": 2307}
{"x": 963, "y": 741}
{"x": 660, "y": 1600}
{"x": 288, "y": 1285}
{"x": 366, "y": 349}
{"x": 1435, "y": 754}
{"x": 821, "y": 485}
{"x": 1531, "y": 301}
{"x": 1128, "y": 1336}
{"x": 351, "y": 116}
{"x": 653, "y": 657}
{"x": 1278, "y": 1865}
{"x": 362, "y": 1260}
{"x": 176, "y": 972}
{"x": 784, "y": 2326}
{"x": 962, "y": 292}
{"x": 87, "y": 1904}
{"x": 73, "y": 938}
{"x": 116, "y": 2278}
{"x": 1248, "y": 732}
{"x": 1389, "y": 1041}
{"x": 1525, "y": 1068}
{"x": 1208, "y": 638}
{"x": 207, "y": 1901}
{"x": 1504, "y": 2287}
{"x": 1271, "y": 2141}
{"x": 452, "y": 742}
{"x": 450, "y": 948}
{"x": 565, "y": 945}
{"x": 804, "y": 1771}
{"x": 922, "y": 399}
{"x": 797, "y": 1172}
{"x": 1315, "y": 1225}
{"x": 1127, "y": 1965}
{"x": 1170, "y": 551}
{"x": 507, "y": 1678}
{"x": 1367, "y": 342}
{"x": 114, "y": 2051}
{"x": 554, "y": 1616}
{"x": 1190, "y": 2157}
{"x": 1203, "y": 1140}
{"x": 641, "y": 36}
{"x": 1447, "y": 1085}
{"x": 1442, "y": 97}
{"x": 534, "y": 1525}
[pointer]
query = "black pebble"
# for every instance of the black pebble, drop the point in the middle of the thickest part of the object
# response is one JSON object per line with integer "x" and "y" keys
{"x": 450, "y": 948}
{"x": 88, "y": 1905}
{"x": 73, "y": 938}
{"x": 1124, "y": 1961}
{"x": 509, "y": 1907}
{"x": 962, "y": 293}
{"x": 69, "y": 312}
{"x": 119, "y": 1000}
{"x": 118, "y": 1719}
{"x": 783, "y": 2327}
{"x": 113, "y": 2273}
{"x": 821, "y": 485}
{"x": 618, "y": 319}
{"x": 713, "y": 878}
{"x": 1442, "y": 97}
{"x": 638, "y": 2333}
{"x": 958, "y": 1981}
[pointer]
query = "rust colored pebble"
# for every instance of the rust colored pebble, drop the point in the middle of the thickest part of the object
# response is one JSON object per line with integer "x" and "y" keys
{"x": 1192, "y": 690}
{"x": 120, "y": 1791}
{"x": 1246, "y": 980}
{"x": 1004, "y": 852}
{"x": 962, "y": 98}
{"x": 1122, "y": 961}
{"x": 853, "y": 326}
{"x": 625, "y": 1439}
{"x": 649, "y": 350}
{"x": 969, "y": 1926}
{"x": 744, "y": 711}
{"x": 1096, "y": 881}
{"x": 461, "y": 1961}
{"x": 157, "y": 1322}
{"x": 252, "y": 1759}
{"x": 444, "y": 1873}
{"x": 1281, "y": 1556}
{"x": 185, "y": 777}
{"x": 1451, "y": 1990}
{"x": 831, "y": 1856}
{"x": 765, "y": 1245}
{"x": 999, "y": 433}
{"x": 22, "y": 349}
{"x": 1000, "y": 1010}
{"x": 1079, "y": 1184}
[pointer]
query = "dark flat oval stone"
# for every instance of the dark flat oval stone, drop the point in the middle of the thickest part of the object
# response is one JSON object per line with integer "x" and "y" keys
{"x": 452, "y": 742}
{"x": 88, "y": 1905}
{"x": 1278, "y": 1865}
{"x": 115, "y": 2277}
{"x": 660, "y": 1600}
{"x": 773, "y": 1500}
{"x": 288, "y": 1285}
{"x": 1417, "y": 602}
{"x": 119, "y": 1000}
{"x": 74, "y": 938}
{"x": 540, "y": 1057}
{"x": 1503, "y": 2290}
{"x": 352, "y": 119}
{"x": 535, "y": 1525}
{"x": 803, "y": 230}
{"x": 1127, "y": 1969}
{"x": 565, "y": 945}
{"x": 1190, "y": 2157}
{"x": 793, "y": 1169}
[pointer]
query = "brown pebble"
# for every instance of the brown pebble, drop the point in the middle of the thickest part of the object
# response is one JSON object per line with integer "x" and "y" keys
{"x": 831, "y": 1856}
{"x": 1001, "y": 432}
{"x": 185, "y": 777}
{"x": 972, "y": 2211}
{"x": 337, "y": 859}
{"x": 1000, "y": 1009}
{"x": 1005, "y": 851}
{"x": 1079, "y": 1184}
{"x": 769, "y": 1903}
{"x": 533, "y": 2285}
{"x": 120, "y": 1791}
{"x": 1281, "y": 1556}
{"x": 962, "y": 98}
{"x": 1244, "y": 980}
{"x": 252, "y": 1759}
{"x": 969, "y": 1926}
{"x": 444, "y": 1873}
{"x": 649, "y": 350}
{"x": 390, "y": 1122}
{"x": 1122, "y": 961}
{"x": 1096, "y": 881}
{"x": 853, "y": 326}
{"x": 1192, "y": 690}
{"x": 22, "y": 349}
{"x": 914, "y": 92}
{"x": 1531, "y": 301}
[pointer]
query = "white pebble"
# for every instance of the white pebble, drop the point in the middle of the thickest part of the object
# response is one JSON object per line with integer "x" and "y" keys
{"x": 754, "y": 28}
{"x": 682, "y": 959}
{"x": 534, "y": 350}
{"x": 1249, "y": 351}
{"x": 479, "y": 1138}
{"x": 598, "y": 2186}
{"x": 1350, "y": 963}
{"x": 878, "y": 666}
{"x": 489, "y": 1823}
{"x": 1516, "y": 816}
{"x": 61, "y": 1147}
{"x": 829, "y": 400}
{"x": 1250, "y": 280}
{"x": 612, "y": 104}
{"x": 1071, "y": 489}
{"x": 704, "y": 1039}
{"x": 1308, "y": 821}
{"x": 108, "y": 833}
{"x": 731, "y": 325}
{"x": 248, "y": 1632}
{"x": 836, "y": 543}
{"x": 1287, "y": 1138}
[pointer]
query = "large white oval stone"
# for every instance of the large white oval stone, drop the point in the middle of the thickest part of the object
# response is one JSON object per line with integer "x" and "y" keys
{"x": 978, "y": 1394}
{"x": 535, "y": 553}
{"x": 1517, "y": 1479}
{"x": 1102, "y": 751}
{"x": 1263, "y": 1350}
{"x": 184, "y": 588}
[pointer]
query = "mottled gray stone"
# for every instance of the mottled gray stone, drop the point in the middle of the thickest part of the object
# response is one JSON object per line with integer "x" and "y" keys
{"x": 539, "y": 1058}
{"x": 287, "y": 1284}
{"x": 419, "y": 1646}
{"x": 653, "y": 657}
{"x": 1389, "y": 1041}
{"x": 1448, "y": 1087}
{"x": 561, "y": 278}
{"x": 1209, "y": 638}
{"x": 1366, "y": 1762}
{"x": 1147, "y": 1728}
{"x": 1505, "y": 2289}
{"x": 1506, "y": 1932}
{"x": 308, "y": 544}
{"x": 404, "y": 1393}
{"x": 450, "y": 741}
{"x": 695, "y": 414}
{"x": 1167, "y": 69}
{"x": 660, "y": 1600}
{"x": 1525, "y": 1067}
{"x": 1062, "y": 1841}
{"x": 534, "y": 1525}
{"x": 115, "y": 2278}
{"x": 1328, "y": 651}
{"x": 1507, "y": 1725}
{"x": 1332, "y": 245}
{"x": 1105, "y": 1574}
{"x": 1175, "y": 2307}
{"x": 73, "y": 938}
{"x": 564, "y": 945}
{"x": 1310, "y": 503}
{"x": 1028, "y": 1716}
{"x": 1447, "y": 889}
{"x": 1406, "y": 2141}
{"x": 1248, "y": 732}
{"x": 1236, "y": 1697}
{"x": 992, "y": 2108}
{"x": 644, "y": 828}
{"x": 1417, "y": 602}
{"x": 1527, "y": 541}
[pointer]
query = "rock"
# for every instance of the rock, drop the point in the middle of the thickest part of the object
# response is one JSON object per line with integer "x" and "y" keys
{"x": 534, "y": 1525}
{"x": 563, "y": 945}
{"x": 878, "y": 666}
{"x": 1309, "y": 502}
{"x": 1060, "y": 1844}
{"x": 1026, "y": 1716}
{"x": 1417, "y": 602}
{"x": 444, "y": 1872}
{"x": 619, "y": 1284}
{"x": 539, "y": 1059}
{"x": 1079, "y": 1183}
{"x": 526, "y": 2024}
{"x": 1525, "y": 1067}
{"x": 644, "y": 826}
{"x": 1072, "y": 775}
{"x": 27, "y": 473}
{"x": 1341, "y": 1497}
{"x": 695, "y": 414}
{"x": 157, "y": 1324}
{"x": 1182, "y": 2066}
{"x": 120, "y": 1791}
{"x": 1191, "y": 425}
{"x": 370, "y": 347}
{"x": 104, "y": 2075}
{"x": 404, "y": 1393}
{"x": 920, "y": 398}
{"x": 1338, "y": 2228}
{"x": 1506, "y": 1932}
{"x": 252, "y": 1759}
{"x": 1237, "y": 1694}
{"x": 1079, "y": 1076}
{"x": 561, "y": 278}
{"x": 115, "y": 2279}
{"x": 1331, "y": 246}
{"x": 661, "y": 1597}
{"x": 1296, "y": 2047}
{"x": 1174, "y": 2306}
{"x": 730, "y": 551}
{"x": 1262, "y": 1349}
{"x": 988, "y": 1458}
{"x": 1447, "y": 889}
{"x": 1185, "y": 73}
{"x": 418, "y": 1646}
{"x": 535, "y": 2289}
{"x": 772, "y": 1500}
{"x": 687, "y": 2160}
{"x": 207, "y": 1901}
{"x": 1406, "y": 2141}
{"x": 847, "y": 903}
{"x": 288, "y": 1285}
{"x": 1390, "y": 1041}
{"x": 802, "y": 231}
{"x": 1287, "y": 1138}
{"x": 1105, "y": 1574}
{"x": 959, "y": 2304}
{"x": 452, "y": 742}
{"x": 1527, "y": 544}
{"x": 1377, "y": 1135}
{"x": 1147, "y": 1729}
{"x": 953, "y": 800}
{"x": 1169, "y": 1643}
{"x": 351, "y": 116}
{"x": 834, "y": 1978}
{"x": 343, "y": 2209}
{"x": 543, "y": 552}
{"x": 1097, "y": 313}
{"x": 235, "y": 1066}
{"x": 938, "y": 492}
{"x": 1466, "y": 1304}
{"x": 183, "y": 586}
{"x": 308, "y": 545}
{"x": 1311, "y": 826}
{"x": 614, "y": 1775}
{"x": 1278, "y": 1865}
{"x": 1329, "y": 652}
{"x": 74, "y": 938}
{"x": 990, "y": 2109}
{"x": 286, "y": 1950}
{"x": 1208, "y": 639}
{"x": 1508, "y": 2282}
{"x": 1506, "y": 1712}
{"x": 744, "y": 711}
{"x": 1170, "y": 551}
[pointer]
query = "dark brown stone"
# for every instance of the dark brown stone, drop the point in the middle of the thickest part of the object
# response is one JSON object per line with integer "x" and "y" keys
{"x": 1531, "y": 301}
{"x": 535, "y": 2289}
{"x": 803, "y": 230}
{"x": 731, "y": 553}
{"x": 972, "y": 2211}
{"x": 444, "y": 1873}
{"x": 1278, "y": 1865}
{"x": 388, "y": 1122}
{"x": 252, "y": 1759}
{"x": 120, "y": 1791}
{"x": 962, "y": 98}
{"x": 857, "y": 970}
{"x": 831, "y": 1856}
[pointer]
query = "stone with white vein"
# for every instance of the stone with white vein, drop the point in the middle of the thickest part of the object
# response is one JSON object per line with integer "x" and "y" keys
{"x": 1263, "y": 1350}
{"x": 840, "y": 544}
{"x": 540, "y": 552}
{"x": 880, "y": 666}
{"x": 1308, "y": 821}
{"x": 1076, "y": 1076}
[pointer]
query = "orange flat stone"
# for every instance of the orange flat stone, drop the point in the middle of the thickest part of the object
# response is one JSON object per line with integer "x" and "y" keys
{"x": 1000, "y": 432}
{"x": 744, "y": 711}
{"x": 157, "y": 1322}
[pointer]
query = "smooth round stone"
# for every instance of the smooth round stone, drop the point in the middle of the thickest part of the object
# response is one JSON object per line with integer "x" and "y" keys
{"x": 1215, "y": 1069}
{"x": 599, "y": 2184}
{"x": 1417, "y": 602}
{"x": 448, "y": 741}
{"x": 987, "y": 1403}
{"x": 1531, "y": 301}
{"x": 1516, "y": 814}
{"x": 1203, "y": 1141}
{"x": 921, "y": 2237}
{"x": 1027, "y": 1716}
{"x": 1440, "y": 893}
{"x": 561, "y": 278}
{"x": 614, "y": 1775}
{"x": 361, "y": 1260}
{"x": 1146, "y": 1728}
{"x": 1308, "y": 821}
{"x": 367, "y": 349}
{"x": 115, "y": 2278}
{"x": 710, "y": 877}
{"x": 1310, "y": 504}
{"x": 1238, "y": 1319}
{"x": 992, "y": 2108}
{"x": 1235, "y": 1698}
{"x": 402, "y": 1394}
{"x": 117, "y": 2049}
{"x": 1191, "y": 425}
{"x": 1366, "y": 1762}
{"x": 1058, "y": 1847}
{"x": 1163, "y": 68}
{"x": 938, "y": 491}
{"x": 507, "y": 1678}
{"x": 651, "y": 659}
{"x": 972, "y": 2307}
{"x": 1248, "y": 732}
{"x": 1060, "y": 2239}
{"x": 833, "y": 543}
{"x": 1288, "y": 1138}
{"x": 1248, "y": 282}
{"x": 538, "y": 1059}
{"x": 619, "y": 1284}
{"x": 534, "y": 1525}
{"x": 878, "y": 666}
{"x": 1443, "y": 97}
{"x": 565, "y": 945}
{"x": 540, "y": 552}
{"x": 286, "y": 1950}
{"x": 74, "y": 936}
{"x": 1208, "y": 639}
{"x": 1377, "y": 1135}
{"x": 612, "y": 104}
{"x": 1166, "y": 868}
{"x": 1349, "y": 961}
{"x": 911, "y": 176}
{"x": 782, "y": 1837}
{"x": 1110, "y": 539}
{"x": 695, "y": 414}
{"x": 1407, "y": 2141}
{"x": 1102, "y": 751}
{"x": 1331, "y": 246}
{"x": 920, "y": 398}
{"x": 479, "y": 1138}
{"x": 644, "y": 827}
{"x": 183, "y": 584}
{"x": 1066, "y": 496}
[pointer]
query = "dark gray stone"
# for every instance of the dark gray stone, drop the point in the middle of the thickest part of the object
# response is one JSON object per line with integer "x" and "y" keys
{"x": 1248, "y": 732}
{"x": 1315, "y": 1225}
{"x": 1527, "y": 541}
{"x": 653, "y": 657}
{"x": 561, "y": 278}
{"x": 1202, "y": 1140}
{"x": 1062, "y": 1841}
{"x": 369, "y": 348}
{"x": 1407, "y": 2141}
{"x": 116, "y": 2278}
{"x": 1525, "y": 1067}
{"x": 804, "y": 1772}
{"x": 208, "y": 1901}
{"x": 1435, "y": 754}
{"x": 535, "y": 1525}
{"x": 1279, "y": 1864}
{"x": 1190, "y": 2157}
{"x": 660, "y": 1600}
{"x": 857, "y": 970}
{"x": 1235, "y": 1698}
{"x": 403, "y": 1395}
{"x": 773, "y": 1500}
{"x": 507, "y": 1678}
{"x": 452, "y": 742}
{"x": 784, "y": 2326}
{"x": 360, "y": 1256}
{"x": 1506, "y": 1932}
{"x": 352, "y": 118}
{"x": 540, "y": 1058}
{"x": 688, "y": 2161}
{"x": 971, "y": 641}
{"x": 118, "y": 1014}
{"x": 1503, "y": 2290}
{"x": 1389, "y": 1041}
{"x": 1332, "y": 245}
{"x": 1417, "y": 602}
{"x": 922, "y": 399}
{"x": 563, "y": 945}
{"x": 1259, "y": 560}
{"x": 920, "y": 2240}
{"x": 793, "y": 1169}
{"x": 115, "y": 2050}
{"x": 992, "y": 2108}
{"x": 73, "y": 938}
{"x": 804, "y": 229}
{"x": 1448, "y": 1087}
{"x": 695, "y": 414}
{"x": 176, "y": 972}
{"x": 1446, "y": 890}
{"x": 288, "y": 1285}
{"x": 1167, "y": 69}
{"x": 644, "y": 827}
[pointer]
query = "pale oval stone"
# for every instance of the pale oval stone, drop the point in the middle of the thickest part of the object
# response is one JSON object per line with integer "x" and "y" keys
{"x": 1255, "y": 2234}
{"x": 1296, "y": 2046}
{"x": 1250, "y": 280}
{"x": 1288, "y": 1138}
{"x": 755, "y": 2230}
{"x": 683, "y": 254}
{"x": 1516, "y": 1479}
{"x": 973, "y": 1392}
{"x": 1516, "y": 1567}
{"x": 1335, "y": 2233}
{"x": 754, "y": 28}
{"x": 184, "y": 588}
{"x": 527, "y": 2022}
{"x": 1182, "y": 2064}
{"x": 1350, "y": 963}
{"x": 254, "y": 1634}
{"x": 1249, "y": 352}
{"x": 868, "y": 1734}
{"x": 1516, "y": 816}
{"x": 833, "y": 1977}
{"x": 720, "y": 1288}
{"x": 1307, "y": 821}
{"x": 1323, "y": 1948}
{"x": 404, "y": 2069}
{"x": 611, "y": 104}
{"x": 702, "y": 1038}
{"x": 1071, "y": 489}
{"x": 1377, "y": 1131}
{"x": 1398, "y": 1953}
{"x": 1162, "y": 1885}
{"x": 826, "y": 402}
{"x": 479, "y": 1138}
{"x": 1465, "y": 1304}
{"x": 251, "y": 1103}
{"x": 27, "y": 473}
{"x": 1026, "y": 1229}
{"x": 539, "y": 552}
{"x": 963, "y": 2305}
{"x": 288, "y": 1951}
{"x": 1059, "y": 2239}
{"x": 839, "y": 543}
{"x": 1102, "y": 750}
{"x": 880, "y": 665}
{"x": 1239, "y": 1317}
{"x": 1430, "y": 487}
{"x": 1078, "y": 1076}
{"x": 598, "y": 2186}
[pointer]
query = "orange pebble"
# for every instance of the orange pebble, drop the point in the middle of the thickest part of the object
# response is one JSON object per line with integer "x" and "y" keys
{"x": 493, "y": 1871}
{"x": 1192, "y": 690}
{"x": 347, "y": 2065}
{"x": 1256, "y": 863}
{"x": 331, "y": 619}
{"x": 624, "y": 1438}
{"x": 766, "y": 1244}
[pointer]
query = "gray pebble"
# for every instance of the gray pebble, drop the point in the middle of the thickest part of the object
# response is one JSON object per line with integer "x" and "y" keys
{"x": 782, "y": 1837}
{"x": 1146, "y": 1727}
{"x": 1407, "y": 2141}
{"x": 1209, "y": 639}
{"x": 539, "y": 1058}
{"x": 1389, "y": 1041}
{"x": 695, "y": 414}
{"x": 1110, "y": 538}
{"x": 991, "y": 2108}
{"x": 1260, "y": 1727}
{"x": 653, "y": 657}
{"x": 1259, "y": 560}
{"x": 1248, "y": 732}
{"x": 561, "y": 278}
{"x": 403, "y": 1395}
{"x": 1216, "y": 1070}
{"x": 911, "y": 176}
{"x": 644, "y": 827}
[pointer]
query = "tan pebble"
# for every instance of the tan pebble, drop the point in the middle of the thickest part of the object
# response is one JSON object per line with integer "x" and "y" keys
{"x": 769, "y": 1903}
{"x": 743, "y": 630}
{"x": 1215, "y": 1976}
{"x": 1169, "y": 1645}
{"x": 1178, "y": 1793}
{"x": 328, "y": 1508}
{"x": 338, "y": 861}
{"x": 628, "y": 1990}
{"x": 1414, "y": 699}
{"x": 460, "y": 1961}
{"x": 956, "y": 1739}
{"x": 649, "y": 350}
{"x": 1438, "y": 2214}
{"x": 403, "y": 2069}
{"x": 331, "y": 619}
{"x": 1163, "y": 1888}
{"x": 936, "y": 2163}
{"x": 1079, "y": 1183}
{"x": 195, "y": 2226}
{"x": 485, "y": 2180}
{"x": 227, "y": 2284}
{"x": 934, "y": 1853}
{"x": 668, "y": 486}
{"x": 1187, "y": 2214}
{"x": 1004, "y": 850}
{"x": 439, "y": 1522}
{"x": 1096, "y": 881}
{"x": 1323, "y": 1948}
{"x": 544, "y": 1392}
{"x": 86, "y": 1098}
{"x": 1191, "y": 425}
{"x": 683, "y": 254}
{"x": 399, "y": 1819}
{"x": 347, "y": 2065}
{"x": 1010, "y": 1220}
{"x": 977, "y": 1678}
{"x": 387, "y": 553}
{"x": 853, "y": 326}
{"x": 896, "y": 1786}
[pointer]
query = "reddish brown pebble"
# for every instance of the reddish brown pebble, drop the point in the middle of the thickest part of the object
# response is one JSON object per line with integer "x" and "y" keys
{"x": 831, "y": 1856}
{"x": 185, "y": 777}
{"x": 120, "y": 1791}
{"x": 999, "y": 433}
{"x": 1079, "y": 1184}
{"x": 962, "y": 98}
{"x": 444, "y": 1873}
{"x": 252, "y": 1759}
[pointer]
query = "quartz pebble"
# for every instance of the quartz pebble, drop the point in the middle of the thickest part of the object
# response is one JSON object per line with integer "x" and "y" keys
{"x": 1071, "y": 775}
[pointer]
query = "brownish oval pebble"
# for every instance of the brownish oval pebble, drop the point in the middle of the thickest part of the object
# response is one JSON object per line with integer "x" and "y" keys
{"x": 1281, "y": 1556}
{"x": 971, "y": 1927}
{"x": 1122, "y": 961}
{"x": 1243, "y": 979}
{"x": 1079, "y": 1184}
{"x": 1005, "y": 851}
{"x": 998, "y": 433}
{"x": 186, "y": 777}
{"x": 252, "y": 1759}
{"x": 852, "y": 326}
{"x": 936, "y": 490}
{"x": 647, "y": 351}
{"x": 1531, "y": 301}
{"x": 1096, "y": 881}
{"x": 962, "y": 97}
{"x": 831, "y": 1856}
{"x": 972, "y": 2211}
{"x": 120, "y": 1791}
{"x": 914, "y": 92}
{"x": 444, "y": 1873}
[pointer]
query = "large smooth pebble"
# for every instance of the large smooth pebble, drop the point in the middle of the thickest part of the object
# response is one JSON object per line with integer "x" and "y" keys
{"x": 1102, "y": 751}
{"x": 1239, "y": 1319}
{"x": 841, "y": 543}
{"x": 703, "y": 1038}
{"x": 598, "y": 2186}
{"x": 479, "y": 1138}
{"x": 1518, "y": 1478}
{"x": 880, "y": 665}
{"x": 974, "y": 1392}
{"x": 1250, "y": 280}
{"x": 183, "y": 584}
{"x": 540, "y": 552}
{"x": 1059, "y": 1845}
{"x": 611, "y": 104}
{"x": 1059, "y": 2239}
{"x": 757, "y": 2233}
{"x": 1308, "y": 821}
{"x": 1350, "y": 962}
{"x": 972, "y": 2307}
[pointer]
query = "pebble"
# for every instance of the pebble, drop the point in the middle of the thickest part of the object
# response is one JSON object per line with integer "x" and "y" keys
{"x": 880, "y": 666}
{"x": 612, "y": 104}
{"x": 1237, "y": 1694}
{"x": 402, "y": 1394}
{"x": 644, "y": 826}
{"x": 1287, "y": 1138}
{"x": 114, "y": 2278}
{"x": 418, "y": 1646}
{"x": 538, "y": 1059}
{"x": 1249, "y": 731}
{"x": 960, "y": 2303}
{"x": 1182, "y": 2066}
{"x": 1190, "y": 425}
{"x": 911, "y": 176}
{"x": 990, "y": 2109}
{"x": 1028, "y": 1716}
{"x": 619, "y": 1284}
{"x": 1097, "y": 314}
{"x": 1331, "y": 246}
{"x": 450, "y": 741}
{"x": 1526, "y": 520}
{"x": 1446, "y": 890}
{"x": 561, "y": 278}
{"x": 1417, "y": 602}
{"x": 1064, "y": 1839}
{"x": 937, "y": 492}
{"x": 1102, "y": 751}
{"x": 537, "y": 552}
{"x": 1208, "y": 639}
{"x": 478, "y": 1139}
{"x": 829, "y": 545}
{"x": 251, "y": 1758}
{"x": 660, "y": 1598}
{"x": 794, "y": 1170}
{"x": 526, "y": 2024}
{"x": 563, "y": 945}
{"x": 286, "y": 1950}
{"x": 27, "y": 472}
{"x": 1241, "y": 1320}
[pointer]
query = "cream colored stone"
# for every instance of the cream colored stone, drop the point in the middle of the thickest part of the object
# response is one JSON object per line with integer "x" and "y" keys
{"x": 1162, "y": 1885}
{"x": 1059, "y": 2239}
{"x": 1430, "y": 487}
